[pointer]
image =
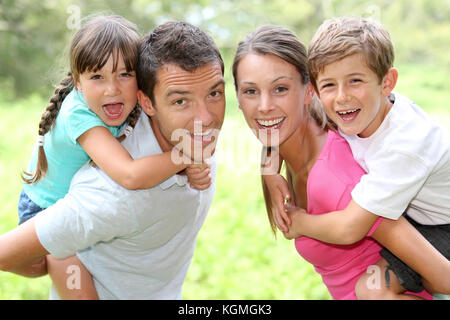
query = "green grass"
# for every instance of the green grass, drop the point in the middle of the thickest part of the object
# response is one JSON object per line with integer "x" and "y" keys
{"x": 236, "y": 256}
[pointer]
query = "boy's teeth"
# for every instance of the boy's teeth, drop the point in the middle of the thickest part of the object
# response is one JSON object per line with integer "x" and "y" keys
{"x": 348, "y": 111}
{"x": 270, "y": 123}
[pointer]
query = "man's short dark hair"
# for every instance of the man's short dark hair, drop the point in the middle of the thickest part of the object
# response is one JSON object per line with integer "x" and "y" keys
{"x": 174, "y": 42}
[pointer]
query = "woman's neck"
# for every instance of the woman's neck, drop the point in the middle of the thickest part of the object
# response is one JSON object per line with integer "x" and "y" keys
{"x": 303, "y": 147}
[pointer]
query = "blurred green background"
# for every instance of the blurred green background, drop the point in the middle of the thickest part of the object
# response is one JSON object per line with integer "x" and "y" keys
{"x": 236, "y": 257}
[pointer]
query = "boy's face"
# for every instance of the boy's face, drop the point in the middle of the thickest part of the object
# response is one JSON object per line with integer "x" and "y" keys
{"x": 189, "y": 107}
{"x": 352, "y": 95}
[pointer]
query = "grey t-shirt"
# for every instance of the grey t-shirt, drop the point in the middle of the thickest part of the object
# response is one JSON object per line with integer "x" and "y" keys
{"x": 137, "y": 244}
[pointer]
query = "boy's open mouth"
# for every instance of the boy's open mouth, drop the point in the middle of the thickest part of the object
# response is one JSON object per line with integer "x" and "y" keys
{"x": 348, "y": 115}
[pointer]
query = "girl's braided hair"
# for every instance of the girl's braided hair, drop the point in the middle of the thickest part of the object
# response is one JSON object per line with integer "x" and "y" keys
{"x": 91, "y": 47}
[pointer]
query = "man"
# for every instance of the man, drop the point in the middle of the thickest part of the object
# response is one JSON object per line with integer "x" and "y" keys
{"x": 139, "y": 244}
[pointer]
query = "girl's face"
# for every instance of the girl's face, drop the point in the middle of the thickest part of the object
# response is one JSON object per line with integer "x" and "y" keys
{"x": 272, "y": 97}
{"x": 110, "y": 95}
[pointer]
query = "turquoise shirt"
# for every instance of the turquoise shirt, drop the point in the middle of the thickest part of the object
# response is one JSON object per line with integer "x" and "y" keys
{"x": 65, "y": 156}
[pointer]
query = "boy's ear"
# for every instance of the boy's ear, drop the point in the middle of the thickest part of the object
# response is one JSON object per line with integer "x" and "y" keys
{"x": 389, "y": 81}
{"x": 145, "y": 103}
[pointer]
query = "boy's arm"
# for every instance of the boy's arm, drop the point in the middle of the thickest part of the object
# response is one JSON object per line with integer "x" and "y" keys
{"x": 107, "y": 153}
{"x": 339, "y": 227}
{"x": 19, "y": 248}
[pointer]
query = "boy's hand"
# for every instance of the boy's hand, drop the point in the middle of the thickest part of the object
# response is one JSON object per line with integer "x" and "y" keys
{"x": 294, "y": 213}
{"x": 199, "y": 176}
{"x": 279, "y": 194}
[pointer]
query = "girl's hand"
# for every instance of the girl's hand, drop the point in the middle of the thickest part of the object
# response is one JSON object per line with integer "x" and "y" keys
{"x": 279, "y": 194}
{"x": 199, "y": 176}
{"x": 294, "y": 213}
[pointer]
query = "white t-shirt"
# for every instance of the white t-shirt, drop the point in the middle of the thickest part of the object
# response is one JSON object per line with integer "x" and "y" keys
{"x": 408, "y": 166}
{"x": 136, "y": 244}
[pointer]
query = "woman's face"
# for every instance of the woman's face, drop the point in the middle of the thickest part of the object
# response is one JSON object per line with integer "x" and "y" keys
{"x": 271, "y": 96}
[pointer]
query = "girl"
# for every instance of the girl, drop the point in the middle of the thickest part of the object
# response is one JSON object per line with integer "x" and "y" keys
{"x": 276, "y": 98}
{"x": 87, "y": 111}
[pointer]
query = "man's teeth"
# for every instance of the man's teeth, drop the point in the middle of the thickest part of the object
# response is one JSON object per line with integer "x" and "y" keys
{"x": 270, "y": 123}
{"x": 347, "y": 112}
{"x": 204, "y": 133}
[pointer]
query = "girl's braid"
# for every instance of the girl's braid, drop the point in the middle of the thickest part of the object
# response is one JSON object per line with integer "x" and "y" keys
{"x": 47, "y": 121}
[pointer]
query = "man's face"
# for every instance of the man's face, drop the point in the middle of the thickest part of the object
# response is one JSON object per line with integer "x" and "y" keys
{"x": 188, "y": 108}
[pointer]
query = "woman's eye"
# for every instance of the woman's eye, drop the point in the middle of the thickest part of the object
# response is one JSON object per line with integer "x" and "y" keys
{"x": 250, "y": 91}
{"x": 280, "y": 89}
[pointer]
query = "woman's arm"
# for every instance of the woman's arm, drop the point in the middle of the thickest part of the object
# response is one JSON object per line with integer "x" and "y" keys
{"x": 107, "y": 153}
{"x": 20, "y": 249}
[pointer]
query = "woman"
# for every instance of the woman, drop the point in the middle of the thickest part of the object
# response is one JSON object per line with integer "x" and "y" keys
{"x": 279, "y": 104}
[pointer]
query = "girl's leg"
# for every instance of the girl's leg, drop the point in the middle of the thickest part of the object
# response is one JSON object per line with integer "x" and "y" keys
{"x": 71, "y": 279}
{"x": 372, "y": 285}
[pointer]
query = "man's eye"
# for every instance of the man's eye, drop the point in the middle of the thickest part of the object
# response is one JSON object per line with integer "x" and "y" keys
{"x": 180, "y": 102}
{"x": 216, "y": 94}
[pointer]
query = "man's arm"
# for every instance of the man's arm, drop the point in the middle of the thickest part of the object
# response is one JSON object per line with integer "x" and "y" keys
{"x": 19, "y": 249}
{"x": 339, "y": 227}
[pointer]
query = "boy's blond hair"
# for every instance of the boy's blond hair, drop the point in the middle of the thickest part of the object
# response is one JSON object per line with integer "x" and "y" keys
{"x": 340, "y": 37}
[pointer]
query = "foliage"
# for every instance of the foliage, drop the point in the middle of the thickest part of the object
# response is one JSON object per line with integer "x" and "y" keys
{"x": 35, "y": 34}
{"x": 236, "y": 256}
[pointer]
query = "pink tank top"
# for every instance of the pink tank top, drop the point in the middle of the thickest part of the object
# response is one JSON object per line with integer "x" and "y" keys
{"x": 329, "y": 187}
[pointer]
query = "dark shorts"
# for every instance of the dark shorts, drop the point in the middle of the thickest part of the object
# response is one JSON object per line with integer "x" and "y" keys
{"x": 27, "y": 208}
{"x": 437, "y": 235}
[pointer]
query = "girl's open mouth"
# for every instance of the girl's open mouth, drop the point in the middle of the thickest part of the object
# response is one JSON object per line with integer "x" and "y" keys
{"x": 113, "y": 111}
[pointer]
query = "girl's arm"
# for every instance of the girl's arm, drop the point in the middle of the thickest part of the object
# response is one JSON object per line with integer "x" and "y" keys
{"x": 107, "y": 153}
{"x": 338, "y": 227}
{"x": 20, "y": 249}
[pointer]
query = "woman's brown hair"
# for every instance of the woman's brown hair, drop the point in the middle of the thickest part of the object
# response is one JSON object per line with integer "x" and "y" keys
{"x": 280, "y": 42}
{"x": 92, "y": 45}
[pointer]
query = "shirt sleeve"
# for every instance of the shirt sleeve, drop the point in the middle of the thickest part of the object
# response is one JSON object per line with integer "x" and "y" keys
{"x": 392, "y": 182}
{"x": 79, "y": 120}
{"x": 87, "y": 215}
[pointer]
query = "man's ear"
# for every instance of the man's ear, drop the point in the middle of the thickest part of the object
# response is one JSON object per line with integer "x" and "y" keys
{"x": 389, "y": 81}
{"x": 145, "y": 103}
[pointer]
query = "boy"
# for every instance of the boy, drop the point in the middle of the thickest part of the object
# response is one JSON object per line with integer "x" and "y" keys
{"x": 405, "y": 154}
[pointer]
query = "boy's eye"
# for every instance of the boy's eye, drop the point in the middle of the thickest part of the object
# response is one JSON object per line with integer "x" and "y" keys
{"x": 96, "y": 77}
{"x": 326, "y": 85}
{"x": 355, "y": 80}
